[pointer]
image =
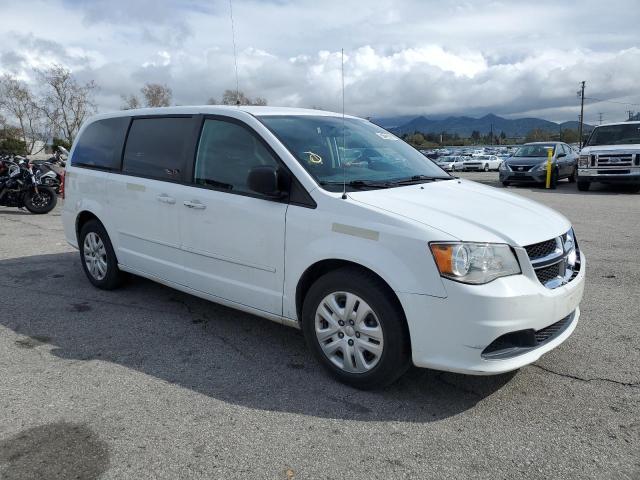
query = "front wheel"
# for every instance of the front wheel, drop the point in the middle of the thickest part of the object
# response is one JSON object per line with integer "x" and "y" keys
{"x": 486, "y": 167}
{"x": 583, "y": 186}
{"x": 356, "y": 329}
{"x": 574, "y": 174}
{"x": 42, "y": 201}
{"x": 554, "y": 180}
{"x": 505, "y": 184}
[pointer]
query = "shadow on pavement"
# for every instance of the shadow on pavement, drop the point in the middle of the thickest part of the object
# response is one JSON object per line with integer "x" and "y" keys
{"x": 216, "y": 351}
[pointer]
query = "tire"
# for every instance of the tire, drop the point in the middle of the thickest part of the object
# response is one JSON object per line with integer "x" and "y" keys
{"x": 505, "y": 184}
{"x": 42, "y": 202}
{"x": 634, "y": 188}
{"x": 106, "y": 275}
{"x": 583, "y": 186}
{"x": 573, "y": 176}
{"x": 453, "y": 168}
{"x": 486, "y": 167}
{"x": 554, "y": 180}
{"x": 377, "y": 364}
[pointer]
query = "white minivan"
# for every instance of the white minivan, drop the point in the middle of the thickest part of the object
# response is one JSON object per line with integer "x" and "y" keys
{"x": 329, "y": 224}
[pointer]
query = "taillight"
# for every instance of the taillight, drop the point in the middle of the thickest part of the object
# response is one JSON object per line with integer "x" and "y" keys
{"x": 63, "y": 185}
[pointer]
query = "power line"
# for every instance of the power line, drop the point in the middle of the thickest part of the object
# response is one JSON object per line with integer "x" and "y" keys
{"x": 612, "y": 101}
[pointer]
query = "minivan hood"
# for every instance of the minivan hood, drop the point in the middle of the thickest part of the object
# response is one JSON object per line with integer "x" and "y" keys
{"x": 470, "y": 211}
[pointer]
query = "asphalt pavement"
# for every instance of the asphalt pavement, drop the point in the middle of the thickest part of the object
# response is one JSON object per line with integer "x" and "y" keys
{"x": 148, "y": 382}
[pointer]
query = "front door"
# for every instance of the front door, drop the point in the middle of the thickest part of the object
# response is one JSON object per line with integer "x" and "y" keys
{"x": 232, "y": 238}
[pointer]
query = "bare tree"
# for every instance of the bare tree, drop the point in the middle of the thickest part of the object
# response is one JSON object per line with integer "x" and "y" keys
{"x": 129, "y": 102}
{"x": 212, "y": 101}
{"x": 156, "y": 95}
{"x": 65, "y": 102}
{"x": 18, "y": 101}
{"x": 230, "y": 97}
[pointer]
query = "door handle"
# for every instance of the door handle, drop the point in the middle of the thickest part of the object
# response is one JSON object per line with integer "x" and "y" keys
{"x": 166, "y": 199}
{"x": 195, "y": 205}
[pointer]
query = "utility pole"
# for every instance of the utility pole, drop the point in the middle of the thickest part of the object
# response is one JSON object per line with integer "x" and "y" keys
{"x": 581, "y": 95}
{"x": 630, "y": 113}
{"x": 599, "y": 118}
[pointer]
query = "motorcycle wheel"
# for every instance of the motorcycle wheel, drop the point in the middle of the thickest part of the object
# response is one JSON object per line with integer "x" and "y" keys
{"x": 41, "y": 202}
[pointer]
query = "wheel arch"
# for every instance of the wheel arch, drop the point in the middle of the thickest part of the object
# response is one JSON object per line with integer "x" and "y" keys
{"x": 83, "y": 217}
{"x": 322, "y": 267}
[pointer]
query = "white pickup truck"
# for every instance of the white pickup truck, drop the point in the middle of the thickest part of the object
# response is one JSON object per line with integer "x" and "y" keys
{"x": 611, "y": 155}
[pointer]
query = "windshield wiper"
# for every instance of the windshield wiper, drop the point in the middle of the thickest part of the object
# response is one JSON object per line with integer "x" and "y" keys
{"x": 419, "y": 179}
{"x": 361, "y": 184}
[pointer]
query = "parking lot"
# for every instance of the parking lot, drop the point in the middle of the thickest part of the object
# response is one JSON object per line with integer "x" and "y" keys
{"x": 148, "y": 382}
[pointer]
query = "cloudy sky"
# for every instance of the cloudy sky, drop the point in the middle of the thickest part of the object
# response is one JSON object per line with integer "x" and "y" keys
{"x": 401, "y": 57}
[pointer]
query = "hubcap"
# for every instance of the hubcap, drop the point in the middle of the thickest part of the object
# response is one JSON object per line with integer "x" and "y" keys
{"x": 95, "y": 256}
{"x": 349, "y": 332}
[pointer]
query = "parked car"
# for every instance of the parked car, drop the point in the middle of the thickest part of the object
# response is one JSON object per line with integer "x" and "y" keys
{"x": 482, "y": 162}
{"x": 611, "y": 155}
{"x": 329, "y": 224}
{"x": 450, "y": 163}
{"x": 529, "y": 164}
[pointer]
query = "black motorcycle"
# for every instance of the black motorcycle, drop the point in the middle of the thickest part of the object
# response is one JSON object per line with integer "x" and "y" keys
{"x": 19, "y": 187}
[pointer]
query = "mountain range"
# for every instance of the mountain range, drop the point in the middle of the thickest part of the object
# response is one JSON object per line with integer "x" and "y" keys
{"x": 464, "y": 126}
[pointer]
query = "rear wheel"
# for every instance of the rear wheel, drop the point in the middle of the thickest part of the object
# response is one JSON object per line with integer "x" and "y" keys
{"x": 356, "y": 329}
{"x": 98, "y": 259}
{"x": 42, "y": 201}
{"x": 583, "y": 186}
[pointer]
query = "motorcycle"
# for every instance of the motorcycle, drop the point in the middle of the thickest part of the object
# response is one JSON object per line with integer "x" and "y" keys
{"x": 20, "y": 188}
{"x": 51, "y": 171}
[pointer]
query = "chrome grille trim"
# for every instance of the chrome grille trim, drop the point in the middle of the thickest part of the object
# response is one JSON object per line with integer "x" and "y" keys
{"x": 553, "y": 269}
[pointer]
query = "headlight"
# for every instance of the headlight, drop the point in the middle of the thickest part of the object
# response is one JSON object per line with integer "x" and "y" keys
{"x": 541, "y": 166}
{"x": 474, "y": 263}
{"x": 584, "y": 161}
{"x": 503, "y": 166}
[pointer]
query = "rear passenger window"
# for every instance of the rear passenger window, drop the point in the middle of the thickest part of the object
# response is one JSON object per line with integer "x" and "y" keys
{"x": 226, "y": 153}
{"x": 100, "y": 145}
{"x": 156, "y": 147}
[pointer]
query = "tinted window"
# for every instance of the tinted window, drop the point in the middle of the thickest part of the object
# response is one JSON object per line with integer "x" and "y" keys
{"x": 156, "y": 147}
{"x": 100, "y": 144}
{"x": 226, "y": 153}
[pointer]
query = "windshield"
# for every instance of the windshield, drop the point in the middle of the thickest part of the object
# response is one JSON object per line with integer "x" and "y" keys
{"x": 359, "y": 153}
{"x": 615, "y": 135}
{"x": 537, "y": 150}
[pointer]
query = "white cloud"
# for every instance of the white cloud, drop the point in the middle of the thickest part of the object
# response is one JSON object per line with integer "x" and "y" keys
{"x": 401, "y": 57}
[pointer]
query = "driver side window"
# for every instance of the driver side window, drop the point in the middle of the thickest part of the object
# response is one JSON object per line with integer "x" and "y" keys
{"x": 226, "y": 153}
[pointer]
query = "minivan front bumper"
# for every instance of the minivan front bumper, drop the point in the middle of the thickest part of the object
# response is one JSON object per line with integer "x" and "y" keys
{"x": 455, "y": 333}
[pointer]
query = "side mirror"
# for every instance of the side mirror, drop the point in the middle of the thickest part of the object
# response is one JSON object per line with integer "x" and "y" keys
{"x": 264, "y": 179}
{"x": 560, "y": 155}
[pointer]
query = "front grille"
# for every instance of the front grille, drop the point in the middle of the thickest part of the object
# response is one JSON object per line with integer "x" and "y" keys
{"x": 522, "y": 341}
{"x": 521, "y": 168}
{"x": 548, "y": 273}
{"x": 615, "y": 160}
{"x": 552, "y": 331}
{"x": 551, "y": 260}
{"x": 542, "y": 249}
